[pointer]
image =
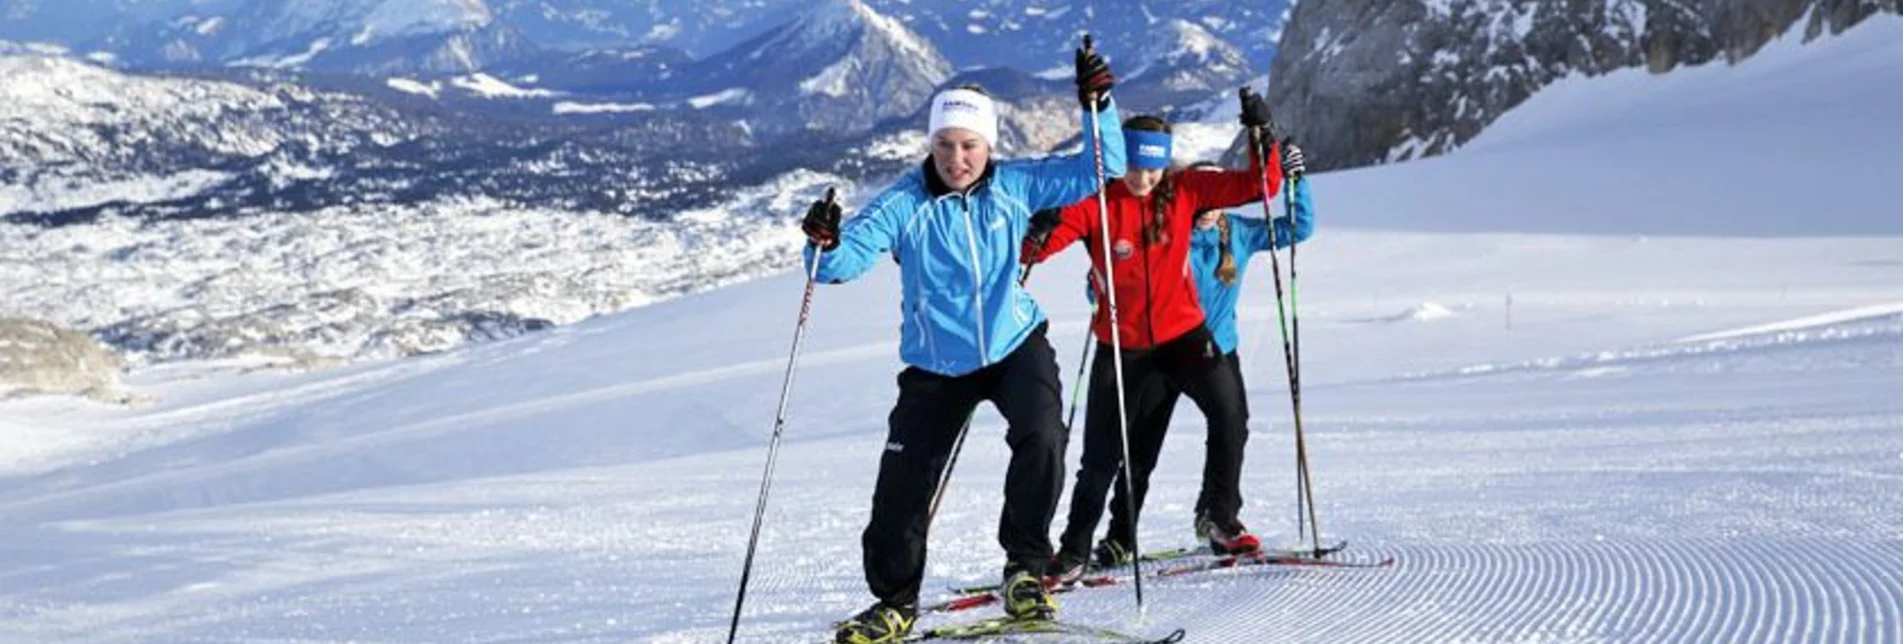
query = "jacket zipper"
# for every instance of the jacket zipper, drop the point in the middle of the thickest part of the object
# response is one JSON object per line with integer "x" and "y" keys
{"x": 977, "y": 287}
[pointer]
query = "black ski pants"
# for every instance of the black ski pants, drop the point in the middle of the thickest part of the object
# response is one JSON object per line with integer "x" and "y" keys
{"x": 1153, "y": 381}
{"x": 932, "y": 408}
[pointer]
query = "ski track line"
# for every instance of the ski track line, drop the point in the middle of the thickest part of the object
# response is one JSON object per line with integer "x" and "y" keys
{"x": 1822, "y": 621}
{"x": 1811, "y": 589}
{"x": 1353, "y": 624}
{"x": 1867, "y": 600}
{"x": 1728, "y": 624}
{"x": 1596, "y": 610}
{"x": 1311, "y": 598}
{"x": 1757, "y": 587}
{"x": 1522, "y": 617}
{"x": 1891, "y": 604}
{"x": 1705, "y": 590}
{"x": 1697, "y": 591}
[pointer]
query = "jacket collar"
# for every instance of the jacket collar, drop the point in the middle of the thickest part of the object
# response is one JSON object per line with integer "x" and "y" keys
{"x": 937, "y": 187}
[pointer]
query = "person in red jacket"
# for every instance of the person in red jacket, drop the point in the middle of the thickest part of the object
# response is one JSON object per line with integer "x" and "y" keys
{"x": 1166, "y": 348}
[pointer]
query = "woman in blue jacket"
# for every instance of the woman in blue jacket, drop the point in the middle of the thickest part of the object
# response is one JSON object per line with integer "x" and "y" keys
{"x": 969, "y": 334}
{"x": 1219, "y": 254}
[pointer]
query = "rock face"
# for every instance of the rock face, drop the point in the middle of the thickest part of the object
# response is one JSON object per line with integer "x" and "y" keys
{"x": 1372, "y": 81}
{"x": 40, "y": 358}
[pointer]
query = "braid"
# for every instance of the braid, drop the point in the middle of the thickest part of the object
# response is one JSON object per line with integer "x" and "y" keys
{"x": 1225, "y": 270}
{"x": 1160, "y": 200}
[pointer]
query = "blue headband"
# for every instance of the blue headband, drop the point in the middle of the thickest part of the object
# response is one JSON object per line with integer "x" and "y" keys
{"x": 1146, "y": 150}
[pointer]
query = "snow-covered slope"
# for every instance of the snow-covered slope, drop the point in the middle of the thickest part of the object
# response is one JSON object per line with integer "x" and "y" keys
{"x": 356, "y": 283}
{"x": 1373, "y": 81}
{"x": 1773, "y": 146}
{"x": 1590, "y": 438}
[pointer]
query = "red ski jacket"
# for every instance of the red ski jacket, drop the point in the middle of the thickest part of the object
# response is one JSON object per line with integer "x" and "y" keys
{"x": 1156, "y": 294}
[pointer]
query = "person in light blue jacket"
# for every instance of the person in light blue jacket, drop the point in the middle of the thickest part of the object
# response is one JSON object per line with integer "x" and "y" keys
{"x": 1220, "y": 249}
{"x": 969, "y": 333}
{"x": 1222, "y": 244}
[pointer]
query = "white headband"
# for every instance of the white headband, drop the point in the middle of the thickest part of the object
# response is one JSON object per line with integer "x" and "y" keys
{"x": 966, "y": 109}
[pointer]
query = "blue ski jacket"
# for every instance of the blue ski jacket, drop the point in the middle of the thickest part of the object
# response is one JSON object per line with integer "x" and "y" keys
{"x": 958, "y": 252}
{"x": 1247, "y": 235}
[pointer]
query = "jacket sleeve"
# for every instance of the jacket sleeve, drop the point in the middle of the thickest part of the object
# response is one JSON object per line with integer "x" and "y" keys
{"x": 1063, "y": 179}
{"x": 1230, "y": 188}
{"x": 862, "y": 239}
{"x": 1251, "y": 234}
{"x": 1075, "y": 222}
{"x": 1291, "y": 233}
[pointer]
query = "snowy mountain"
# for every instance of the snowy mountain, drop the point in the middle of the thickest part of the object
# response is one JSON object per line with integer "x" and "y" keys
{"x": 1559, "y": 435}
{"x": 83, "y": 22}
{"x": 1038, "y": 35}
{"x": 1185, "y": 64}
{"x": 1363, "y": 81}
{"x": 701, "y": 29}
{"x": 82, "y": 140}
{"x": 1028, "y": 35}
{"x": 839, "y": 67}
{"x": 354, "y": 36}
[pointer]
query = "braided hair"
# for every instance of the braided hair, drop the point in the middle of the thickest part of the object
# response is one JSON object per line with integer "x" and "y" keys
{"x": 1225, "y": 269}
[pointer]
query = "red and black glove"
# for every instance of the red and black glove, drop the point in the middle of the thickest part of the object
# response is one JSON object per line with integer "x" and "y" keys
{"x": 1094, "y": 78}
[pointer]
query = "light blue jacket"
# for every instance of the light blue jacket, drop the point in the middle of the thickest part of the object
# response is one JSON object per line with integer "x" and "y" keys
{"x": 958, "y": 252}
{"x": 1247, "y": 235}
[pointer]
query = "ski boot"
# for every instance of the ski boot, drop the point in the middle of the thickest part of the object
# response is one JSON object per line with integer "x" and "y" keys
{"x": 880, "y": 624}
{"x": 1025, "y": 596}
{"x": 1226, "y": 541}
{"x": 1066, "y": 568}
{"x": 1112, "y": 553}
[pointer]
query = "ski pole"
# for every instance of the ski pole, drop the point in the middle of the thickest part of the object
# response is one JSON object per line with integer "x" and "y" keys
{"x": 944, "y": 478}
{"x": 779, "y": 426}
{"x": 1076, "y": 384}
{"x": 1295, "y": 387}
{"x": 1304, "y": 493}
{"x": 1116, "y": 346}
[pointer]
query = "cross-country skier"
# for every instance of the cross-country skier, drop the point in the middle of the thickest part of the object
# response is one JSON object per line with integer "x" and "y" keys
{"x": 969, "y": 334}
{"x": 1167, "y": 349}
{"x": 1220, "y": 249}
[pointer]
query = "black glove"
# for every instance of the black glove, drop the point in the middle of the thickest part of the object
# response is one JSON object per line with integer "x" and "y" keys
{"x": 1094, "y": 79}
{"x": 1042, "y": 223}
{"x": 821, "y": 224}
{"x": 1255, "y": 118}
{"x": 1255, "y": 109}
{"x": 1293, "y": 164}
